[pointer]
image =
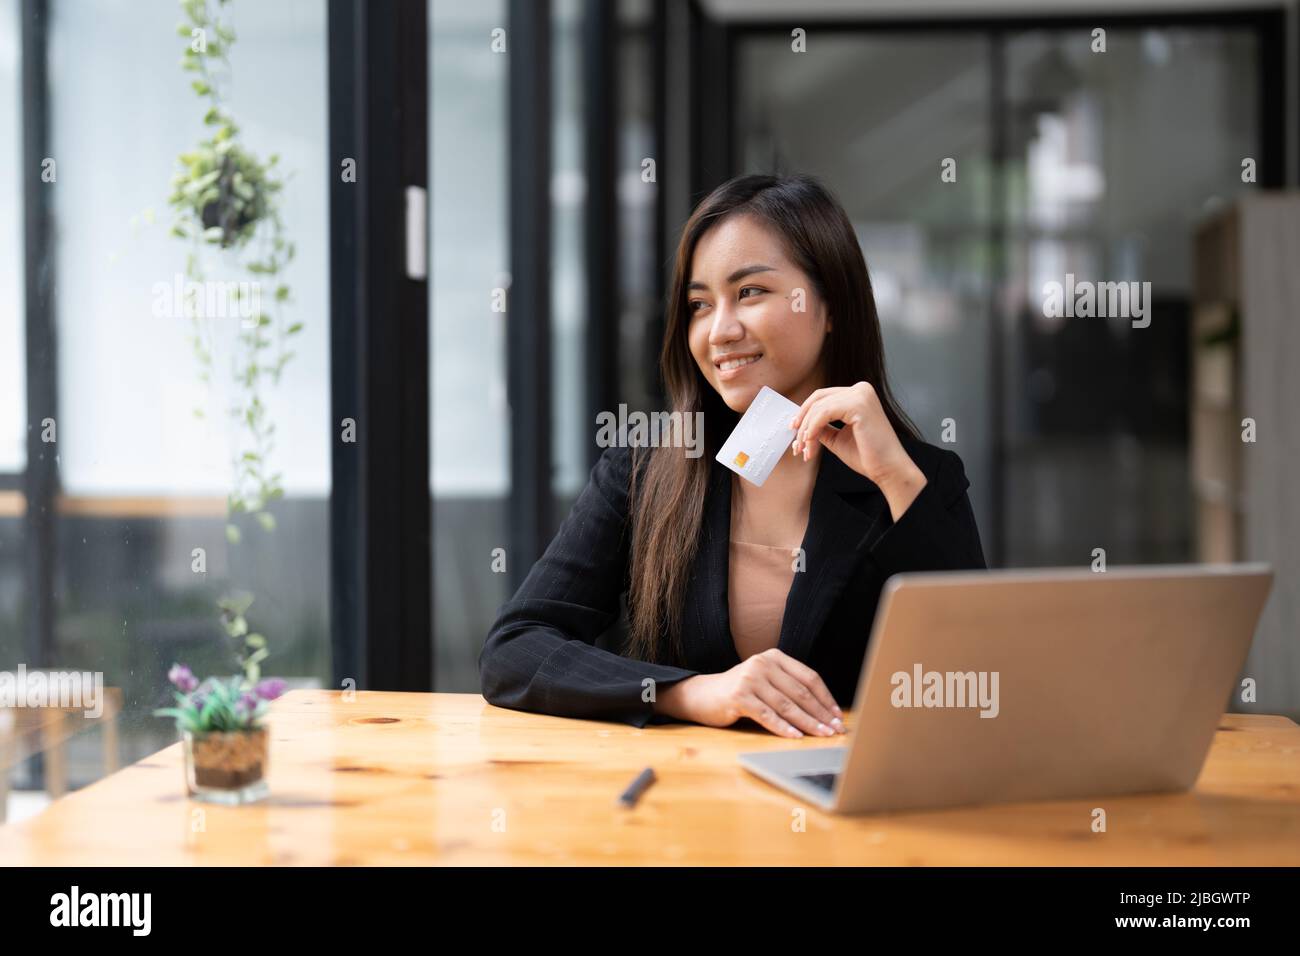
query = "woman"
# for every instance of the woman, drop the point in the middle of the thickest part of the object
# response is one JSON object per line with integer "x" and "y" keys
{"x": 743, "y": 601}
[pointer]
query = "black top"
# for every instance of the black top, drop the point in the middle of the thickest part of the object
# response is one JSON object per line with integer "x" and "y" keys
{"x": 540, "y": 654}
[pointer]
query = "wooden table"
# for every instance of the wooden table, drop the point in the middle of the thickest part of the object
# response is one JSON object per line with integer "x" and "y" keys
{"x": 393, "y": 778}
{"x": 45, "y": 729}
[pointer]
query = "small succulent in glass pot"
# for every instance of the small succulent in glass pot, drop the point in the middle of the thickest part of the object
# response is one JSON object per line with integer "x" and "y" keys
{"x": 225, "y": 741}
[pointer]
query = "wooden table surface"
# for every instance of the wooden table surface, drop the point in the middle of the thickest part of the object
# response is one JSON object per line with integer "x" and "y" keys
{"x": 391, "y": 778}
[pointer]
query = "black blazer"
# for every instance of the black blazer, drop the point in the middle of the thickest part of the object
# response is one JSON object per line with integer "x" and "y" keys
{"x": 540, "y": 654}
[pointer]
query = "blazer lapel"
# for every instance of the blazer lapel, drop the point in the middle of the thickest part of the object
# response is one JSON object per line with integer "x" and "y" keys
{"x": 845, "y": 507}
{"x": 713, "y": 617}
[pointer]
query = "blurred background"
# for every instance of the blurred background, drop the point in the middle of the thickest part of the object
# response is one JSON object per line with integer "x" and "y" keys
{"x": 442, "y": 159}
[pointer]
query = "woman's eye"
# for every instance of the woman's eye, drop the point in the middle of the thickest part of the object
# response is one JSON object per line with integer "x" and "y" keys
{"x": 694, "y": 305}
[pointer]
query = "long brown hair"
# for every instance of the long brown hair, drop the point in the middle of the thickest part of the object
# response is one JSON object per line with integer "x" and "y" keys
{"x": 667, "y": 502}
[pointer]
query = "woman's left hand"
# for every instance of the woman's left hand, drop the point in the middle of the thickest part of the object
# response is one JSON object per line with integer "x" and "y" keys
{"x": 867, "y": 443}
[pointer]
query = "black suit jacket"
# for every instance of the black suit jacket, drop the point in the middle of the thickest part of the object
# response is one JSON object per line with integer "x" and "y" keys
{"x": 540, "y": 655}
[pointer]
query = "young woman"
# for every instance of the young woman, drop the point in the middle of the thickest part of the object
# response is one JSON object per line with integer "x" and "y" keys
{"x": 743, "y": 601}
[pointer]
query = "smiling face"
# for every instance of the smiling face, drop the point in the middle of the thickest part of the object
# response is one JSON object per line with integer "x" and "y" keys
{"x": 745, "y": 332}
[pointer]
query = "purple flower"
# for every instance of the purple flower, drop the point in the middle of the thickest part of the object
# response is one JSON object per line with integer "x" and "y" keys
{"x": 183, "y": 678}
{"x": 271, "y": 688}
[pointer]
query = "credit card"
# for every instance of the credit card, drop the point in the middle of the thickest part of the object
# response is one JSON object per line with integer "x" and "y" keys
{"x": 761, "y": 437}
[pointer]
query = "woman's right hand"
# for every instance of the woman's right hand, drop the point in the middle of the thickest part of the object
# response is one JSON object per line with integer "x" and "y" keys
{"x": 771, "y": 688}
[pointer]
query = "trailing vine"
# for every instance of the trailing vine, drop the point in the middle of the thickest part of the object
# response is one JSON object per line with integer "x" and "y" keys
{"x": 225, "y": 202}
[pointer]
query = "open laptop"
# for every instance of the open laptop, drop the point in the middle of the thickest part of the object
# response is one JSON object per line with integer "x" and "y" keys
{"x": 998, "y": 686}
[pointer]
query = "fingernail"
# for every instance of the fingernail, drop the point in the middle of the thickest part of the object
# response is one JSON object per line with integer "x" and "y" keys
{"x": 824, "y": 730}
{"x": 797, "y": 731}
{"x": 838, "y": 712}
{"x": 839, "y": 724}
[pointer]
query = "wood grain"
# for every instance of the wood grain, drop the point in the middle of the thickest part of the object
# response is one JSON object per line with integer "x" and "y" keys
{"x": 392, "y": 778}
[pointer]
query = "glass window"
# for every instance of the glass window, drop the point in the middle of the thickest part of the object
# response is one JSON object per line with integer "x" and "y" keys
{"x": 639, "y": 326}
{"x": 572, "y": 429}
{"x": 13, "y": 342}
{"x": 891, "y": 111}
{"x": 153, "y": 441}
{"x": 13, "y": 376}
{"x": 469, "y": 416}
{"x": 1111, "y": 159}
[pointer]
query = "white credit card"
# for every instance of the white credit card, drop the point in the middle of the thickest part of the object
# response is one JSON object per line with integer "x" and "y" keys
{"x": 762, "y": 436}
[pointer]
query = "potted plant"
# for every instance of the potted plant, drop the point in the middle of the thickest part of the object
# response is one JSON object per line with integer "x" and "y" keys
{"x": 221, "y": 721}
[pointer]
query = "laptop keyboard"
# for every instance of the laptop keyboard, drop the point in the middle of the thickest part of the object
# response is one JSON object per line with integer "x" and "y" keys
{"x": 824, "y": 780}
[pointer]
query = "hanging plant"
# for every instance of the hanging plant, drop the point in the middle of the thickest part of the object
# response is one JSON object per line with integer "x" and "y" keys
{"x": 223, "y": 190}
{"x": 226, "y": 203}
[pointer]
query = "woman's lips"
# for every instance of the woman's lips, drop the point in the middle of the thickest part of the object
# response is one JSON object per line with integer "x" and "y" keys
{"x": 726, "y": 374}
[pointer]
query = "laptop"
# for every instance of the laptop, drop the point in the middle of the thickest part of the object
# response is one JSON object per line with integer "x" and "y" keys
{"x": 1005, "y": 686}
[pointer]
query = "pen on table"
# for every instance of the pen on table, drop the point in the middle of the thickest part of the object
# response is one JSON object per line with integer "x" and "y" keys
{"x": 637, "y": 787}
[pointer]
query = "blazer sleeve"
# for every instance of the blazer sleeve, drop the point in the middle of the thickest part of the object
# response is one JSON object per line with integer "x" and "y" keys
{"x": 937, "y": 532}
{"x": 540, "y": 653}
